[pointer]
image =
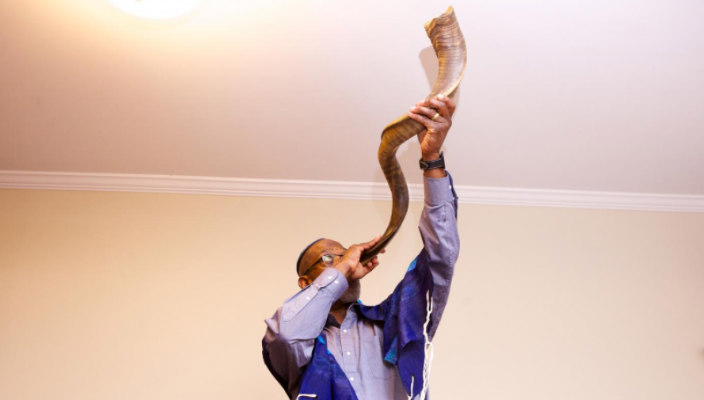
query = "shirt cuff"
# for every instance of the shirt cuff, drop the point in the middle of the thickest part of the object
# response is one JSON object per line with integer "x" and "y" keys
{"x": 438, "y": 191}
{"x": 333, "y": 280}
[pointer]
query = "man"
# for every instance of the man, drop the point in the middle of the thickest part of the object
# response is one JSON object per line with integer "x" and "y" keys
{"x": 322, "y": 343}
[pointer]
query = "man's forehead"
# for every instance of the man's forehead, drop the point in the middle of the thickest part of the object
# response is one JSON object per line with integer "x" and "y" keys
{"x": 326, "y": 245}
{"x": 315, "y": 251}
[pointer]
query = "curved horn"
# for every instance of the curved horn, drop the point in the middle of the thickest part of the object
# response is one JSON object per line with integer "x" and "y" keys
{"x": 448, "y": 43}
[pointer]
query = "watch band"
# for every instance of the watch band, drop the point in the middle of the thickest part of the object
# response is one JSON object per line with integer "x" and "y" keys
{"x": 433, "y": 164}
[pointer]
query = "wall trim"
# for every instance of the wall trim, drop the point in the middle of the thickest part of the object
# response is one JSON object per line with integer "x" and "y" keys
{"x": 342, "y": 190}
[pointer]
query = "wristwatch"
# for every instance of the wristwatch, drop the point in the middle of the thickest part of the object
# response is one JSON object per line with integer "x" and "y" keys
{"x": 439, "y": 163}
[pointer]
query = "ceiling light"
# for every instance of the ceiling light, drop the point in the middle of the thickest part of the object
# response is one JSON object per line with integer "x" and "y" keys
{"x": 156, "y": 9}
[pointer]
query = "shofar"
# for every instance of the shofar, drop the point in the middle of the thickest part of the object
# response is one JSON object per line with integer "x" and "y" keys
{"x": 448, "y": 43}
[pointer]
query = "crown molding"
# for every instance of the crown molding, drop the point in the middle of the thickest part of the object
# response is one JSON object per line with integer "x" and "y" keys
{"x": 343, "y": 190}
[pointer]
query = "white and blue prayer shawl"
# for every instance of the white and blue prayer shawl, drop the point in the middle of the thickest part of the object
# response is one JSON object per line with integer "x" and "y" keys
{"x": 404, "y": 315}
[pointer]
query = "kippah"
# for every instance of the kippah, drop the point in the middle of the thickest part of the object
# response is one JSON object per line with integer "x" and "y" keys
{"x": 304, "y": 252}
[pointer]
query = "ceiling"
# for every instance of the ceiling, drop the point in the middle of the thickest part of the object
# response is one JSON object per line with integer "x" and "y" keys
{"x": 558, "y": 94}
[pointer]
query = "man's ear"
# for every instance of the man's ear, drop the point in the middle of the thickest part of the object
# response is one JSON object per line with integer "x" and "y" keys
{"x": 304, "y": 281}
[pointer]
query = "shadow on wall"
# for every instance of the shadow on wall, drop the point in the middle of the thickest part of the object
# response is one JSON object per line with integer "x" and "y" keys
{"x": 429, "y": 61}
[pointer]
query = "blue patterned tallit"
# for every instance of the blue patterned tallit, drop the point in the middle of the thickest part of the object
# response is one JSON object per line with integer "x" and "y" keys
{"x": 403, "y": 315}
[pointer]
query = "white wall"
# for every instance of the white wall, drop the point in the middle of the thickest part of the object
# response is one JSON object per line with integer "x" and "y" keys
{"x": 156, "y": 296}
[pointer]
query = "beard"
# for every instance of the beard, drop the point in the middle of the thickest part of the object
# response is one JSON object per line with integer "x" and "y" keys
{"x": 352, "y": 293}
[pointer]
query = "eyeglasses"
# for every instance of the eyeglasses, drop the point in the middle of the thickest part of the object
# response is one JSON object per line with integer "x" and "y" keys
{"x": 326, "y": 259}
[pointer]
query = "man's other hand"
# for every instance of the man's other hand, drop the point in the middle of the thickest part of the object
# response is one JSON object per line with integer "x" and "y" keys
{"x": 435, "y": 114}
{"x": 350, "y": 266}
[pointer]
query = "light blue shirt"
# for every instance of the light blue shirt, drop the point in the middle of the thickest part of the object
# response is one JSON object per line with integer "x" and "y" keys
{"x": 357, "y": 344}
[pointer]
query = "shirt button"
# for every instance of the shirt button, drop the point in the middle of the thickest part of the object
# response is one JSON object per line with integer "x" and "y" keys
{"x": 344, "y": 331}
{"x": 348, "y": 353}
{"x": 307, "y": 297}
{"x": 329, "y": 277}
{"x": 337, "y": 282}
{"x": 351, "y": 378}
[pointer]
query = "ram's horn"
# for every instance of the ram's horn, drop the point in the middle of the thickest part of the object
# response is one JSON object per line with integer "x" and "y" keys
{"x": 448, "y": 43}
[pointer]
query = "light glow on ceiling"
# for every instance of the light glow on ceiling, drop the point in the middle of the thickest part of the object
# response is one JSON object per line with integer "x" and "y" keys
{"x": 156, "y": 9}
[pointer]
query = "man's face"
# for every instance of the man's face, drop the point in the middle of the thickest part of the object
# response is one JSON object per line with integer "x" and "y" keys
{"x": 325, "y": 253}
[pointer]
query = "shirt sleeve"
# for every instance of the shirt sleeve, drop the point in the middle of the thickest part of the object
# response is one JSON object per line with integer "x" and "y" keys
{"x": 438, "y": 228}
{"x": 292, "y": 330}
